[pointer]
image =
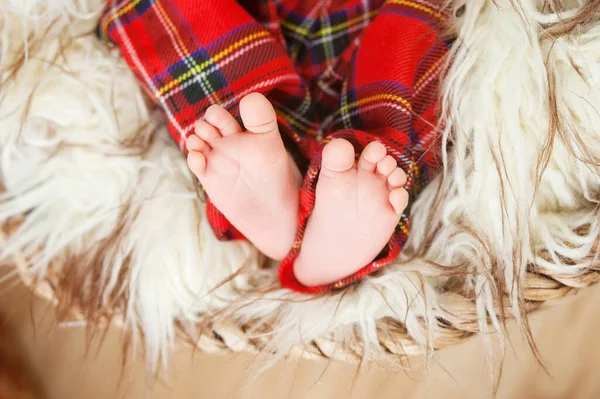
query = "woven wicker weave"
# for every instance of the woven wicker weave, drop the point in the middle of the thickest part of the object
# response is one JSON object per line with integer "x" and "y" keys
{"x": 229, "y": 336}
{"x": 460, "y": 322}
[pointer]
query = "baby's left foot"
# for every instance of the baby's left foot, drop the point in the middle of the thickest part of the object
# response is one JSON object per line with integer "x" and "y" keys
{"x": 248, "y": 175}
{"x": 356, "y": 211}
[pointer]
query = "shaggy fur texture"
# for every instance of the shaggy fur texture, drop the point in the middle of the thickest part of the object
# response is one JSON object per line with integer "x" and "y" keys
{"x": 108, "y": 205}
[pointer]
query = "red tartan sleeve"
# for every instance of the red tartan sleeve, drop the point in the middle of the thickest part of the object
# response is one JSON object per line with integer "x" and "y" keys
{"x": 190, "y": 54}
{"x": 307, "y": 202}
{"x": 391, "y": 93}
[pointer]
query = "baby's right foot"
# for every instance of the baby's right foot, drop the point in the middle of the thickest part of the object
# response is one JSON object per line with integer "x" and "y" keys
{"x": 248, "y": 175}
{"x": 357, "y": 207}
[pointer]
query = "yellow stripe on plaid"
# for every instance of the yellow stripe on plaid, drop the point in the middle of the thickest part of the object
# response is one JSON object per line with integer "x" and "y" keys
{"x": 419, "y": 7}
{"x": 387, "y": 97}
{"x": 331, "y": 29}
{"x": 119, "y": 13}
{"x": 429, "y": 72}
{"x": 300, "y": 125}
{"x": 201, "y": 67}
{"x": 175, "y": 32}
{"x": 403, "y": 227}
{"x": 181, "y": 43}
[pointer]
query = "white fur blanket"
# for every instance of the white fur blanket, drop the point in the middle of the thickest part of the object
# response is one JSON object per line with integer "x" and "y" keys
{"x": 107, "y": 204}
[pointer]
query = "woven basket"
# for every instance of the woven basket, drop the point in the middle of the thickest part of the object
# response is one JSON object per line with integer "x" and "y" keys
{"x": 461, "y": 319}
{"x": 229, "y": 336}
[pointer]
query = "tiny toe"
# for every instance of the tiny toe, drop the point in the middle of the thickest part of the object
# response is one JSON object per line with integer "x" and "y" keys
{"x": 397, "y": 178}
{"x": 258, "y": 114}
{"x": 218, "y": 116}
{"x": 196, "y": 162}
{"x": 399, "y": 199}
{"x": 206, "y": 131}
{"x": 195, "y": 143}
{"x": 338, "y": 156}
{"x": 372, "y": 153}
{"x": 386, "y": 166}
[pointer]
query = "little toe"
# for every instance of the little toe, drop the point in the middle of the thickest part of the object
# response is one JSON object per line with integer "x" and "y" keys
{"x": 396, "y": 179}
{"x": 196, "y": 162}
{"x": 218, "y": 116}
{"x": 195, "y": 143}
{"x": 399, "y": 200}
{"x": 386, "y": 166}
{"x": 372, "y": 153}
{"x": 258, "y": 114}
{"x": 206, "y": 131}
{"x": 338, "y": 156}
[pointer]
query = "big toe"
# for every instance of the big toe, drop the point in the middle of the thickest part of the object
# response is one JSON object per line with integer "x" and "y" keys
{"x": 258, "y": 114}
{"x": 338, "y": 156}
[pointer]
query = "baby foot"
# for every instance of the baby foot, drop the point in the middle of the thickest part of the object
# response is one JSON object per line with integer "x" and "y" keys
{"x": 356, "y": 211}
{"x": 248, "y": 175}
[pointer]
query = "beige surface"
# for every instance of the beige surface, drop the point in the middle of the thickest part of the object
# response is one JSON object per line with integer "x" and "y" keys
{"x": 566, "y": 335}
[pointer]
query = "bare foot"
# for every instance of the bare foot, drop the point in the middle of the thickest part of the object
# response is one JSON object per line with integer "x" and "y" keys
{"x": 356, "y": 211}
{"x": 248, "y": 175}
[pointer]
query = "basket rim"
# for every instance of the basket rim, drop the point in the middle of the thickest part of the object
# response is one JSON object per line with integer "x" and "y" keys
{"x": 227, "y": 335}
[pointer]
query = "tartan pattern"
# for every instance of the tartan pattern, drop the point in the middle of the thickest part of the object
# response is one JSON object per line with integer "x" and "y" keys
{"x": 362, "y": 70}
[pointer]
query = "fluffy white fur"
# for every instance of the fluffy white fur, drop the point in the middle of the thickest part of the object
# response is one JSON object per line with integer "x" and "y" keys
{"x": 73, "y": 121}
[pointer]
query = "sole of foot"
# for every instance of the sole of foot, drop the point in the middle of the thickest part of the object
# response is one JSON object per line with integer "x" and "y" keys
{"x": 248, "y": 174}
{"x": 357, "y": 208}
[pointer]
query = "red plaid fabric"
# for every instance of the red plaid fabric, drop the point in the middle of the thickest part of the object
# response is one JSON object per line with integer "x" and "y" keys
{"x": 362, "y": 70}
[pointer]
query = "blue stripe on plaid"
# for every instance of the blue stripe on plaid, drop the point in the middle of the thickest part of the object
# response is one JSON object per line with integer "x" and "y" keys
{"x": 126, "y": 15}
{"x": 206, "y": 53}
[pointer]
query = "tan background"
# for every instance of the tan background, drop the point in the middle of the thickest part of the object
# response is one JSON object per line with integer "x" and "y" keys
{"x": 64, "y": 366}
